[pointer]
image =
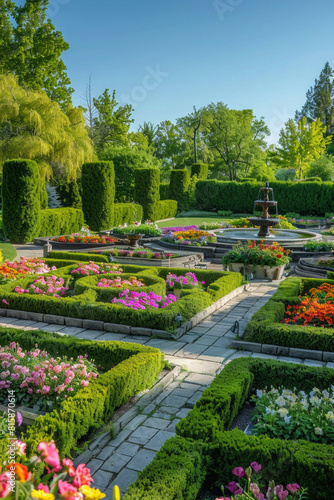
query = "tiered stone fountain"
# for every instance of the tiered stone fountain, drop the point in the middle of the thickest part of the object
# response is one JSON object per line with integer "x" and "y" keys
{"x": 265, "y": 221}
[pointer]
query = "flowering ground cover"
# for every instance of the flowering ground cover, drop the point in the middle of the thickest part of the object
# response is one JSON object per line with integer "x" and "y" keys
{"x": 45, "y": 285}
{"x": 315, "y": 309}
{"x": 142, "y": 300}
{"x": 188, "y": 281}
{"x": 11, "y": 270}
{"x": 193, "y": 237}
{"x": 93, "y": 268}
{"x": 39, "y": 379}
{"x": 318, "y": 246}
{"x": 326, "y": 262}
{"x": 119, "y": 283}
{"x": 103, "y": 240}
{"x": 292, "y": 414}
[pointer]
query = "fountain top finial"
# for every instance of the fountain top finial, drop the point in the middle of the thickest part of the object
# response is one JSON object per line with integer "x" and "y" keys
{"x": 267, "y": 184}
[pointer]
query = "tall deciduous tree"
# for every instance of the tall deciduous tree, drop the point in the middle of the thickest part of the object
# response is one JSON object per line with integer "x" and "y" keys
{"x": 300, "y": 145}
{"x": 32, "y": 126}
{"x": 320, "y": 101}
{"x": 112, "y": 123}
{"x": 31, "y": 48}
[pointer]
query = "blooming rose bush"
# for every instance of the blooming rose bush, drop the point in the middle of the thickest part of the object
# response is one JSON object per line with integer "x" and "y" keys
{"x": 49, "y": 285}
{"x": 247, "y": 487}
{"x": 189, "y": 280}
{"x": 9, "y": 271}
{"x": 62, "y": 481}
{"x": 257, "y": 254}
{"x": 285, "y": 414}
{"x": 142, "y": 300}
{"x": 93, "y": 268}
{"x": 40, "y": 379}
{"x": 315, "y": 309}
{"x": 119, "y": 283}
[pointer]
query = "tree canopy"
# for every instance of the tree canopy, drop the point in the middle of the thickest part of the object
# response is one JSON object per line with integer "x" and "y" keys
{"x": 32, "y": 126}
{"x": 31, "y": 48}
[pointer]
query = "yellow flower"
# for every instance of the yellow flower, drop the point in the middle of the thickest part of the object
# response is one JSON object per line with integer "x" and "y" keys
{"x": 42, "y": 495}
{"x": 91, "y": 493}
{"x": 116, "y": 493}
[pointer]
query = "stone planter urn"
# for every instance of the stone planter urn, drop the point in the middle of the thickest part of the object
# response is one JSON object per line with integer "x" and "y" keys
{"x": 177, "y": 292}
{"x": 258, "y": 272}
{"x": 133, "y": 239}
{"x": 236, "y": 267}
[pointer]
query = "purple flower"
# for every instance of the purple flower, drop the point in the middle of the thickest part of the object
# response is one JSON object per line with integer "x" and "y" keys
{"x": 256, "y": 467}
{"x": 238, "y": 471}
{"x": 19, "y": 418}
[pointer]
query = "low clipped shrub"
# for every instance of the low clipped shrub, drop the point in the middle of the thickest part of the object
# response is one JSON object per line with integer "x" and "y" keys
{"x": 57, "y": 221}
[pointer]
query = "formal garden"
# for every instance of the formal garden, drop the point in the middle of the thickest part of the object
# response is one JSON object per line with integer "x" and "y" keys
{"x": 166, "y": 292}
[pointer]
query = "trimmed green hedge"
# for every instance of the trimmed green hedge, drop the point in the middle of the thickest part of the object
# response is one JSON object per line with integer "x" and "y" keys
{"x": 209, "y": 450}
{"x": 265, "y": 325}
{"x": 98, "y": 194}
{"x": 166, "y": 209}
{"x": 86, "y": 305}
{"x": 57, "y": 221}
{"x": 179, "y": 187}
{"x": 137, "y": 368}
{"x": 147, "y": 182}
{"x": 127, "y": 213}
{"x": 21, "y": 192}
{"x": 77, "y": 256}
{"x": 305, "y": 198}
{"x": 164, "y": 190}
{"x": 201, "y": 170}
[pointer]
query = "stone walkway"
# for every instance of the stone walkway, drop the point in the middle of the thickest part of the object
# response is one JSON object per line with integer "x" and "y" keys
{"x": 201, "y": 353}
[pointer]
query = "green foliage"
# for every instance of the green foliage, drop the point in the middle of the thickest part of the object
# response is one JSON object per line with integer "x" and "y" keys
{"x": 201, "y": 170}
{"x": 285, "y": 174}
{"x": 21, "y": 200}
{"x": 147, "y": 182}
{"x": 33, "y": 126}
{"x": 265, "y": 325}
{"x": 58, "y": 221}
{"x": 127, "y": 213}
{"x": 31, "y": 49}
{"x": 179, "y": 187}
{"x": 164, "y": 190}
{"x": 136, "y": 369}
{"x": 247, "y": 179}
{"x": 306, "y": 198}
{"x": 126, "y": 161}
{"x": 98, "y": 193}
{"x": 322, "y": 168}
{"x": 145, "y": 229}
{"x": 70, "y": 194}
{"x": 312, "y": 179}
{"x": 81, "y": 257}
{"x": 166, "y": 209}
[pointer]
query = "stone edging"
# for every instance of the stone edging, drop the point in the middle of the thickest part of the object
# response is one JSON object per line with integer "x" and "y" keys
{"x": 278, "y": 350}
{"x": 120, "y": 421}
{"x": 92, "y": 324}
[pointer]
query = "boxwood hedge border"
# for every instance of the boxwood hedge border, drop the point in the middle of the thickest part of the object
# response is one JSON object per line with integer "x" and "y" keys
{"x": 204, "y": 448}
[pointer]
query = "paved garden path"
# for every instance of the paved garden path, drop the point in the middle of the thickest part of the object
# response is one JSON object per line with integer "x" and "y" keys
{"x": 201, "y": 353}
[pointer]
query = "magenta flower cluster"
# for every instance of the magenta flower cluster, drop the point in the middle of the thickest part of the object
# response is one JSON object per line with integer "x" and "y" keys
{"x": 92, "y": 268}
{"x": 49, "y": 285}
{"x": 119, "y": 283}
{"x": 252, "y": 489}
{"x": 189, "y": 280}
{"x": 142, "y": 300}
{"x": 38, "y": 373}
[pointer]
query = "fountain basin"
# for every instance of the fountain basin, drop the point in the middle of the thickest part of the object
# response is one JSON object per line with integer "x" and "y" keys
{"x": 289, "y": 238}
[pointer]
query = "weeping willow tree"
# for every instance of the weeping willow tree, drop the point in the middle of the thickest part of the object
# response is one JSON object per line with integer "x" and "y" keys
{"x": 34, "y": 127}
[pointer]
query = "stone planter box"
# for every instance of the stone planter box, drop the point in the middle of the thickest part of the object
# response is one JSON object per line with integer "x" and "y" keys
{"x": 258, "y": 272}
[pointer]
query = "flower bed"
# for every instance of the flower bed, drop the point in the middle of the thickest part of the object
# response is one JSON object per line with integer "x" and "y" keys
{"x": 45, "y": 285}
{"x": 204, "y": 447}
{"x": 291, "y": 414}
{"x": 251, "y": 253}
{"x": 272, "y": 325}
{"x": 74, "y": 238}
{"x": 9, "y": 271}
{"x": 148, "y": 229}
{"x": 129, "y": 369}
{"x": 141, "y": 253}
{"x": 190, "y": 237}
{"x": 40, "y": 380}
{"x": 92, "y": 302}
{"x": 318, "y": 246}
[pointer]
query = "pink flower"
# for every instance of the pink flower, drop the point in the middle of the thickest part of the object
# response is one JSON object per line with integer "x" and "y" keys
{"x": 260, "y": 496}
{"x": 19, "y": 419}
{"x": 254, "y": 488}
{"x": 84, "y": 383}
{"x": 5, "y": 302}
{"x": 43, "y": 487}
{"x": 4, "y": 485}
{"x": 67, "y": 491}
{"x": 238, "y": 471}
{"x": 283, "y": 494}
{"x": 20, "y": 447}
{"x": 50, "y": 455}
{"x": 82, "y": 476}
{"x": 293, "y": 487}
{"x": 68, "y": 466}
{"x": 256, "y": 467}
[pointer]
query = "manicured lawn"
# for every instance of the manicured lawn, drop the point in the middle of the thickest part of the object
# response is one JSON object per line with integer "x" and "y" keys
{"x": 8, "y": 251}
{"x": 190, "y": 221}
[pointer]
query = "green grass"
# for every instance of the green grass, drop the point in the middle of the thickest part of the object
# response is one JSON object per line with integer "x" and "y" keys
{"x": 190, "y": 221}
{"x": 8, "y": 251}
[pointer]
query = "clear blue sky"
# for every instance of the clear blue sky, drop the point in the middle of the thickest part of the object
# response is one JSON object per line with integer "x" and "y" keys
{"x": 258, "y": 54}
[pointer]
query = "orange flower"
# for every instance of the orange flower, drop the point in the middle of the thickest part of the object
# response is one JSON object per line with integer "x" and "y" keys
{"x": 21, "y": 472}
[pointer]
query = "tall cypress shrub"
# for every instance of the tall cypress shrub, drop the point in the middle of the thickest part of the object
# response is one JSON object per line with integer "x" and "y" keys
{"x": 147, "y": 191}
{"x": 179, "y": 187}
{"x": 98, "y": 194}
{"x": 21, "y": 193}
{"x": 201, "y": 170}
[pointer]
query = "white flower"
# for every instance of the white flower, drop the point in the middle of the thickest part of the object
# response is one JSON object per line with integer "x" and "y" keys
{"x": 270, "y": 411}
{"x": 287, "y": 419}
{"x": 303, "y": 394}
{"x": 318, "y": 431}
{"x": 283, "y": 412}
{"x": 325, "y": 394}
{"x": 259, "y": 393}
{"x": 280, "y": 401}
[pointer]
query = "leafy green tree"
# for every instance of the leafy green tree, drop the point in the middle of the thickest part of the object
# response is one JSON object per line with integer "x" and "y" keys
{"x": 320, "y": 101}
{"x": 167, "y": 143}
{"x": 149, "y": 130}
{"x": 33, "y": 127}
{"x": 31, "y": 48}
{"x": 236, "y": 138}
{"x": 300, "y": 145}
{"x": 323, "y": 167}
{"x": 112, "y": 123}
